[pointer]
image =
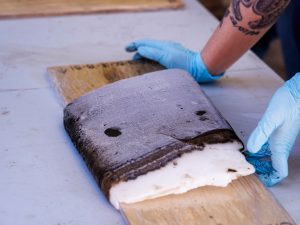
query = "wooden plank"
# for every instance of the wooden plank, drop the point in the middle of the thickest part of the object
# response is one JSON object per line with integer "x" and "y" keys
{"x": 28, "y": 8}
{"x": 73, "y": 81}
{"x": 245, "y": 201}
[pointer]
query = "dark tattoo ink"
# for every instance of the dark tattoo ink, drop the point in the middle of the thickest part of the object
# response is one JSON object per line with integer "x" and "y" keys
{"x": 237, "y": 10}
{"x": 267, "y": 10}
{"x": 243, "y": 29}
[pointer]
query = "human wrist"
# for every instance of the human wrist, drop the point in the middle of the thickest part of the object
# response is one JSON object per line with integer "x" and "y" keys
{"x": 200, "y": 71}
{"x": 214, "y": 63}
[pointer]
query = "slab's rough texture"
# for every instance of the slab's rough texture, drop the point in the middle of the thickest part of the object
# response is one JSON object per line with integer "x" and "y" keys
{"x": 137, "y": 125}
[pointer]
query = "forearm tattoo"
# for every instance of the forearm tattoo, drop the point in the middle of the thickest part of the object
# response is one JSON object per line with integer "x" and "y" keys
{"x": 267, "y": 11}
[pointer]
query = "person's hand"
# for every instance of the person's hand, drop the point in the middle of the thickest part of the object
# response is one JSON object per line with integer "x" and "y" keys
{"x": 276, "y": 133}
{"x": 172, "y": 55}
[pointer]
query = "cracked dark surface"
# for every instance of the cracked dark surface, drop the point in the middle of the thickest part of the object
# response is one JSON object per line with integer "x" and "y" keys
{"x": 150, "y": 127}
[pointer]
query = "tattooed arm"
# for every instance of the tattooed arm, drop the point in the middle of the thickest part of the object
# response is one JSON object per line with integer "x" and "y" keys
{"x": 243, "y": 24}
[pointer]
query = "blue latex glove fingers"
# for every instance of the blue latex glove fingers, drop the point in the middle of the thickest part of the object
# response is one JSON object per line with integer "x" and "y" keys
{"x": 153, "y": 54}
{"x": 261, "y": 160}
{"x": 261, "y": 165}
{"x": 133, "y": 46}
{"x": 261, "y": 134}
{"x": 279, "y": 171}
{"x": 262, "y": 153}
{"x": 137, "y": 56}
{"x": 281, "y": 143}
{"x": 279, "y": 127}
{"x": 172, "y": 55}
{"x": 167, "y": 53}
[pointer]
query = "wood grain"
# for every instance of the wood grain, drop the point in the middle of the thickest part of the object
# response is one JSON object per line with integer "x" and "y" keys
{"x": 73, "y": 81}
{"x": 28, "y": 8}
{"x": 244, "y": 202}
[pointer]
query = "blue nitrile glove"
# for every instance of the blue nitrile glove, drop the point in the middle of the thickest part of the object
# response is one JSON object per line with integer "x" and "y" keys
{"x": 261, "y": 160}
{"x": 276, "y": 133}
{"x": 172, "y": 55}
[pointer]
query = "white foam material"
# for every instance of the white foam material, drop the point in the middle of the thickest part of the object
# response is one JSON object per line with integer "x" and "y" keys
{"x": 214, "y": 165}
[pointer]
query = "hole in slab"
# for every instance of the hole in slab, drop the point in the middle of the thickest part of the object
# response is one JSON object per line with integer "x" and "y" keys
{"x": 229, "y": 170}
{"x": 113, "y": 132}
{"x": 200, "y": 113}
{"x": 179, "y": 106}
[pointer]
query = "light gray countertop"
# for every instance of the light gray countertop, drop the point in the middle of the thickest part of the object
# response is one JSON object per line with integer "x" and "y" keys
{"x": 43, "y": 180}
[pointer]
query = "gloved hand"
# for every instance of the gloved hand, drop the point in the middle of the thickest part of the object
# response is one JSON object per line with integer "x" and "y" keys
{"x": 172, "y": 55}
{"x": 276, "y": 133}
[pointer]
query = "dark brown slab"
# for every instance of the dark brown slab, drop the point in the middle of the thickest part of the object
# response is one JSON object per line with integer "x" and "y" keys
{"x": 136, "y": 125}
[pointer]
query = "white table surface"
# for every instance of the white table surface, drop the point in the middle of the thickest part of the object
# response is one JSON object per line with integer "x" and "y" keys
{"x": 43, "y": 180}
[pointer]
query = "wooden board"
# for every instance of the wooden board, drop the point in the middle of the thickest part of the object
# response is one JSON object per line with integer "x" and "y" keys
{"x": 245, "y": 201}
{"x": 72, "y": 82}
{"x": 27, "y": 8}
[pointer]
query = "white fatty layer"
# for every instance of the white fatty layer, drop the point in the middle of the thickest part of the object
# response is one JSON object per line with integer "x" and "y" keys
{"x": 216, "y": 164}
